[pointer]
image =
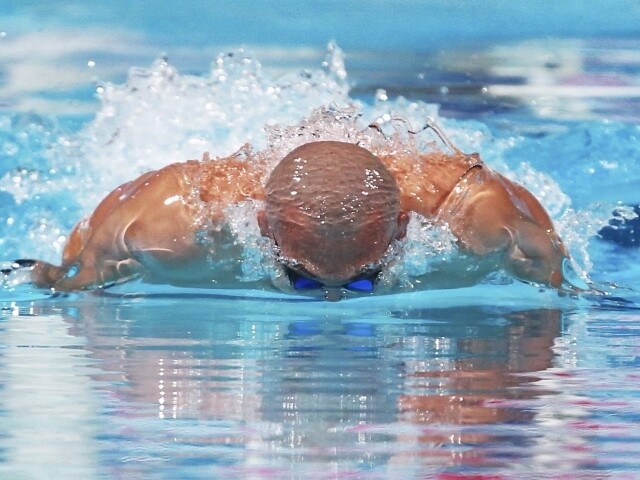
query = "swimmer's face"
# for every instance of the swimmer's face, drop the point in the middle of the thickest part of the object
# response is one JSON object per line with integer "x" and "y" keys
{"x": 333, "y": 209}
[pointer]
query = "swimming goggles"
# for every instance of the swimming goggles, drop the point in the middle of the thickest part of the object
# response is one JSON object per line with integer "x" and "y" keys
{"x": 363, "y": 284}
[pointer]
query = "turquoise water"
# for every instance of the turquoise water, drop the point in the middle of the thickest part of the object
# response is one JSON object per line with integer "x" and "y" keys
{"x": 499, "y": 380}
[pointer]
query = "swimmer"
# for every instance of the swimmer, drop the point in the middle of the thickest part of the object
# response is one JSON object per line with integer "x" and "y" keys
{"x": 332, "y": 211}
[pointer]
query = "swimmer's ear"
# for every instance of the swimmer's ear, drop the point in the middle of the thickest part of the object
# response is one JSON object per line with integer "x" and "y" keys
{"x": 401, "y": 227}
{"x": 265, "y": 231}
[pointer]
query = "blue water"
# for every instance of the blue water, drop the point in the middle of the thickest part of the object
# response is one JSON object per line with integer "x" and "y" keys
{"x": 499, "y": 380}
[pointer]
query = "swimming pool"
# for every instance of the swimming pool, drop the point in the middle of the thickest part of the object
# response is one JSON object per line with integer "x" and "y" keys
{"x": 499, "y": 380}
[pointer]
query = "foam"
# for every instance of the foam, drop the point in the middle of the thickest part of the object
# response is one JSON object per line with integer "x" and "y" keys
{"x": 160, "y": 116}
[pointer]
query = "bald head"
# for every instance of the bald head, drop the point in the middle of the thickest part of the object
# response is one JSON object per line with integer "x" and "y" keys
{"x": 333, "y": 209}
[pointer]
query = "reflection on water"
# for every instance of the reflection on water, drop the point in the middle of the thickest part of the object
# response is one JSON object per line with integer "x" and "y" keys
{"x": 178, "y": 386}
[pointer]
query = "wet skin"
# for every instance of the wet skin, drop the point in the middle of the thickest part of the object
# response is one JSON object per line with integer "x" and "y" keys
{"x": 331, "y": 208}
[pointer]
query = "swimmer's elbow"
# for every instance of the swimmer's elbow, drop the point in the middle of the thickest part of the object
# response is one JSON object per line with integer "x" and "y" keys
{"x": 45, "y": 275}
{"x": 557, "y": 273}
{"x": 68, "y": 277}
{"x": 541, "y": 270}
{"x": 538, "y": 256}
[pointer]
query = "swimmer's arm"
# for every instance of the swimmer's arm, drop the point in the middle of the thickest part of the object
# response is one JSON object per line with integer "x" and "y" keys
{"x": 149, "y": 227}
{"x": 488, "y": 213}
{"x": 146, "y": 213}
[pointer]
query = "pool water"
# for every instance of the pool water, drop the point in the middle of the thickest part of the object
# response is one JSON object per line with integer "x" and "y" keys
{"x": 498, "y": 380}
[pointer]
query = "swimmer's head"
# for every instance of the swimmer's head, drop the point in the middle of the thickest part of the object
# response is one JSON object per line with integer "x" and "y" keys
{"x": 332, "y": 209}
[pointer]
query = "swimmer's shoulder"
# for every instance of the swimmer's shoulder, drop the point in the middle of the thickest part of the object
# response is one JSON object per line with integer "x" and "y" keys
{"x": 426, "y": 179}
{"x": 226, "y": 180}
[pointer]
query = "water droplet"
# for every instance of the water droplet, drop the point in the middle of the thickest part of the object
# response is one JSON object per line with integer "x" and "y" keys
{"x": 381, "y": 95}
{"x": 73, "y": 271}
